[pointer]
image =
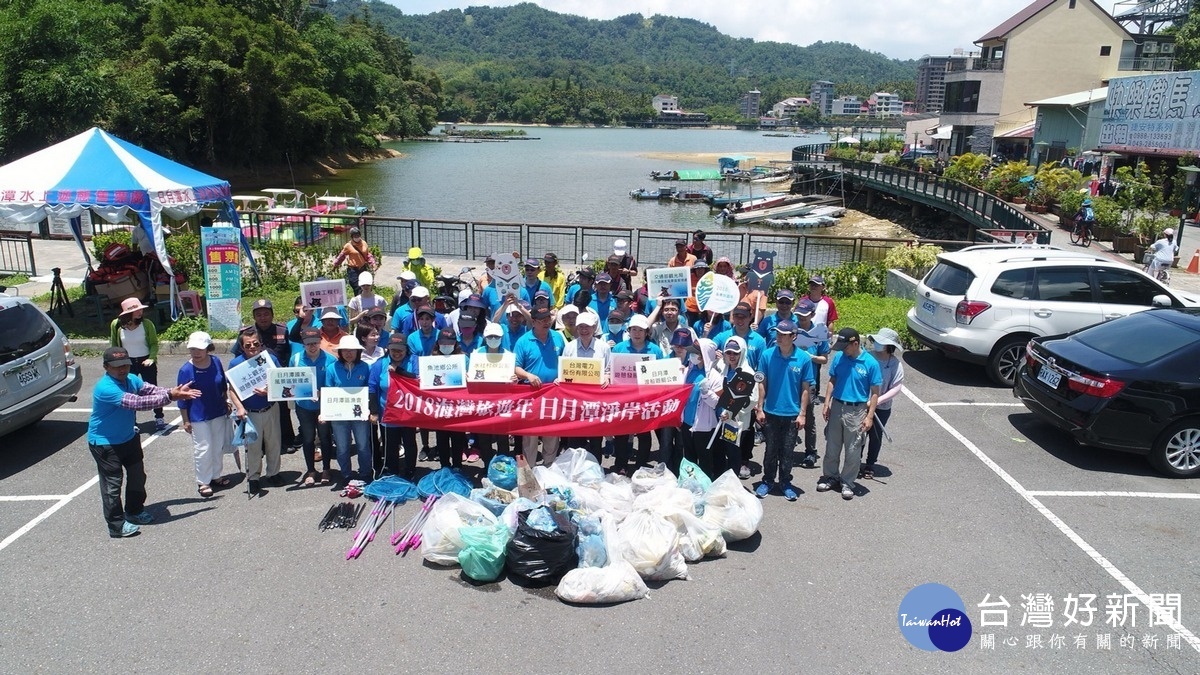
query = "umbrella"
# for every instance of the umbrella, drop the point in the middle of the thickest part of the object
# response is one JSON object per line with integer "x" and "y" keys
{"x": 848, "y": 139}
{"x": 98, "y": 172}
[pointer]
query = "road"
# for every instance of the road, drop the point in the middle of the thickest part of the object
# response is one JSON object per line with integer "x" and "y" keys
{"x": 973, "y": 493}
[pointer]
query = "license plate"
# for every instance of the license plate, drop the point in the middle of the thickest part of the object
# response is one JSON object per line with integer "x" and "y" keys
{"x": 929, "y": 307}
{"x": 1049, "y": 377}
{"x": 28, "y": 376}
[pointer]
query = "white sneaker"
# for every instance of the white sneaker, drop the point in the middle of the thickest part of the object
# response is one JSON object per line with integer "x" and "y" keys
{"x": 847, "y": 492}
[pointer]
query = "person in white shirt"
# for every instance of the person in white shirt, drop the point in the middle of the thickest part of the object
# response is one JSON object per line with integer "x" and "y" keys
{"x": 587, "y": 345}
{"x": 366, "y": 300}
{"x": 1163, "y": 250}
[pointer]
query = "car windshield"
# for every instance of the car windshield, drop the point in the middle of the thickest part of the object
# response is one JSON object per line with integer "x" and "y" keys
{"x": 23, "y": 330}
{"x": 1140, "y": 339}
{"x": 949, "y": 279}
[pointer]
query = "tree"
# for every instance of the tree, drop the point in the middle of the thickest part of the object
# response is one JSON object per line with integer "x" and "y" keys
{"x": 1187, "y": 41}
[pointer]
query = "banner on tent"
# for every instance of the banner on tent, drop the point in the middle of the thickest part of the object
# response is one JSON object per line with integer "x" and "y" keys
{"x": 222, "y": 276}
{"x": 550, "y": 410}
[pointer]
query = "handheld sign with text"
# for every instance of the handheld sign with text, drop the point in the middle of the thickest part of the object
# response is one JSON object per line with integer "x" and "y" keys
{"x": 328, "y": 293}
{"x": 249, "y": 375}
{"x": 486, "y": 367}
{"x": 292, "y": 384}
{"x": 580, "y": 370}
{"x": 344, "y": 404}
{"x": 717, "y": 293}
{"x": 761, "y": 274}
{"x": 442, "y": 372}
{"x": 624, "y": 367}
{"x": 662, "y": 371}
{"x": 676, "y": 281}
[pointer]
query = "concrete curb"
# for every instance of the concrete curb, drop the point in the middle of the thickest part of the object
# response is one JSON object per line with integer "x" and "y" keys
{"x": 164, "y": 346}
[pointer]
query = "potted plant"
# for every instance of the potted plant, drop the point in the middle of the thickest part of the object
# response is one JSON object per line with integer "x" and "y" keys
{"x": 1005, "y": 182}
{"x": 1069, "y": 203}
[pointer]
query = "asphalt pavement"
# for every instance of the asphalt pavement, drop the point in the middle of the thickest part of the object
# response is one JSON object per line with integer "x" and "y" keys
{"x": 972, "y": 493}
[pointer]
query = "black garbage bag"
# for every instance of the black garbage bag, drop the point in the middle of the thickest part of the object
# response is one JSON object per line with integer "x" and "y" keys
{"x": 534, "y": 554}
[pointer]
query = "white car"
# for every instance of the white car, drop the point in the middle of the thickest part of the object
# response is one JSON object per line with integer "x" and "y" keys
{"x": 983, "y": 304}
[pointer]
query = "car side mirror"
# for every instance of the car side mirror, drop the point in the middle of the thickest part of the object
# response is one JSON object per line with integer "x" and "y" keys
{"x": 1161, "y": 300}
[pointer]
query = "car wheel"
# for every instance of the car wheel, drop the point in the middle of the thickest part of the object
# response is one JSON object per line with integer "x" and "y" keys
{"x": 1177, "y": 451}
{"x": 1006, "y": 358}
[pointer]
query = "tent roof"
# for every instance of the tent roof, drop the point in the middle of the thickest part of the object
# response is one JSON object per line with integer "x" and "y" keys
{"x": 1075, "y": 99}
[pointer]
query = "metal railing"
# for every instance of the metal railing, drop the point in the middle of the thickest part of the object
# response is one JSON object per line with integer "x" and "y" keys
{"x": 16, "y": 253}
{"x": 982, "y": 210}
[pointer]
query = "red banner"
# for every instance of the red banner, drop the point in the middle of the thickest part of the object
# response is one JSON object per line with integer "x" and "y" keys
{"x": 552, "y": 410}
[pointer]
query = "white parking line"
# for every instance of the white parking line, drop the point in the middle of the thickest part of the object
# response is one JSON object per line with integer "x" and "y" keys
{"x": 976, "y": 403}
{"x": 1100, "y": 493}
{"x": 33, "y": 498}
{"x": 73, "y": 410}
{"x": 66, "y": 499}
{"x": 1164, "y": 616}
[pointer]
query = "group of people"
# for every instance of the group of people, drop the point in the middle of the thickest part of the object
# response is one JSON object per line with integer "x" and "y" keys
{"x": 600, "y": 313}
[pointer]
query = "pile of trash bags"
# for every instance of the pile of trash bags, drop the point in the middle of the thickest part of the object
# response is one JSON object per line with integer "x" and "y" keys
{"x": 601, "y": 535}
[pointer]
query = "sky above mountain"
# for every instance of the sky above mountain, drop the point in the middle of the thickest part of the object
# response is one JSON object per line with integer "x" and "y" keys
{"x": 900, "y": 29}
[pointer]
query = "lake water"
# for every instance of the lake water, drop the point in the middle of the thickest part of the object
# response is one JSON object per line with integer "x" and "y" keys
{"x": 570, "y": 175}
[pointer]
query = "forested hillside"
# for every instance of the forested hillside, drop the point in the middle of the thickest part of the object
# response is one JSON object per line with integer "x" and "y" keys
{"x": 525, "y": 63}
{"x": 218, "y": 83}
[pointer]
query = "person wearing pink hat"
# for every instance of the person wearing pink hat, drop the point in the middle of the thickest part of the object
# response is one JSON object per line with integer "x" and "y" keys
{"x": 139, "y": 337}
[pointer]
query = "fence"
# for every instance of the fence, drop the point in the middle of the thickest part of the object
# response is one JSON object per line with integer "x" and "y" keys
{"x": 16, "y": 253}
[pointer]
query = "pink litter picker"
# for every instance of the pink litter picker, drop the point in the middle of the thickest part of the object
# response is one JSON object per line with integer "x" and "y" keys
{"x": 366, "y": 533}
{"x": 411, "y": 538}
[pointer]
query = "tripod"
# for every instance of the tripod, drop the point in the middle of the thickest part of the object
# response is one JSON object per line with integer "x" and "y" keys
{"x": 58, "y": 295}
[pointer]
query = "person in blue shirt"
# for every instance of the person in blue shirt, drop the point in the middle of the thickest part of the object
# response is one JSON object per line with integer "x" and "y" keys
{"x": 399, "y": 363}
{"x": 206, "y": 419}
{"x": 710, "y": 325}
{"x": 740, "y": 319}
{"x": 262, "y": 414}
{"x": 673, "y": 440}
{"x": 783, "y": 394}
{"x": 491, "y": 444}
{"x": 421, "y": 342}
{"x": 115, "y": 443}
{"x": 416, "y": 298}
{"x": 308, "y": 412}
{"x": 737, "y": 454}
{"x": 411, "y": 324}
{"x": 637, "y": 343}
{"x": 615, "y": 334}
{"x": 784, "y": 300}
{"x": 451, "y": 445}
{"x": 602, "y": 301}
{"x": 532, "y": 282}
{"x": 814, "y": 339}
{"x": 851, "y": 397}
{"x": 537, "y": 355}
{"x": 469, "y": 336}
{"x": 351, "y": 436}
{"x": 584, "y": 281}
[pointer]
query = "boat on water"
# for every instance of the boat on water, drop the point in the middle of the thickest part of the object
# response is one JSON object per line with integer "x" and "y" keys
{"x": 692, "y": 196}
{"x": 793, "y": 205}
{"x": 659, "y": 194}
{"x": 764, "y": 202}
{"x": 821, "y": 216}
{"x": 351, "y": 206}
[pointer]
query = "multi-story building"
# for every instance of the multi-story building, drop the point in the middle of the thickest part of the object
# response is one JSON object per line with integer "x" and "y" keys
{"x": 1048, "y": 48}
{"x": 847, "y": 106}
{"x": 748, "y": 104}
{"x": 788, "y": 107}
{"x": 665, "y": 103}
{"x": 931, "y": 79}
{"x": 883, "y": 104}
{"x": 822, "y": 95}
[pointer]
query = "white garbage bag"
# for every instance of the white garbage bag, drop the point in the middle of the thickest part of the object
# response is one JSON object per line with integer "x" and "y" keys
{"x": 732, "y": 508}
{"x": 646, "y": 479}
{"x": 697, "y": 539}
{"x": 650, "y": 543}
{"x": 440, "y": 540}
{"x": 618, "y": 582}
{"x": 578, "y": 466}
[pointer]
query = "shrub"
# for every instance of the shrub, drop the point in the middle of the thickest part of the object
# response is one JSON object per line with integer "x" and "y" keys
{"x": 1070, "y": 202}
{"x": 857, "y": 278}
{"x": 891, "y": 160}
{"x": 914, "y": 261}
{"x": 868, "y": 314}
{"x": 1004, "y": 181}
{"x": 282, "y": 265}
{"x": 968, "y": 168}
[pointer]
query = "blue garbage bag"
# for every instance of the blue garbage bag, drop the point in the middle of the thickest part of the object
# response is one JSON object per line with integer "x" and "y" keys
{"x": 244, "y": 431}
{"x": 502, "y": 471}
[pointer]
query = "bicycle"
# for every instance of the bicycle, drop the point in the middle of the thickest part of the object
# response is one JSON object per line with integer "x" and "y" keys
{"x": 1161, "y": 272}
{"x": 1081, "y": 234}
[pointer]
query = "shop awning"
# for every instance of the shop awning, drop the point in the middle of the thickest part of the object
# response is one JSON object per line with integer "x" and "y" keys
{"x": 1020, "y": 132}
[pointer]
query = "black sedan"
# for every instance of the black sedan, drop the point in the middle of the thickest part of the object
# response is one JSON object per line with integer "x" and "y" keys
{"x": 1131, "y": 384}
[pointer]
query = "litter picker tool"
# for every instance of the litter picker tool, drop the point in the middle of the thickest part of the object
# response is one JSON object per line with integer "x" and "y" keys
{"x": 412, "y": 538}
{"x": 882, "y": 428}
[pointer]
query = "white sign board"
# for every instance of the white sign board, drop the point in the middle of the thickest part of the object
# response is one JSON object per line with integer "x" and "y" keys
{"x": 249, "y": 375}
{"x": 508, "y": 273}
{"x": 442, "y": 372}
{"x": 486, "y": 367}
{"x": 328, "y": 293}
{"x": 675, "y": 281}
{"x": 344, "y": 404}
{"x": 662, "y": 371}
{"x": 292, "y": 384}
{"x": 624, "y": 367}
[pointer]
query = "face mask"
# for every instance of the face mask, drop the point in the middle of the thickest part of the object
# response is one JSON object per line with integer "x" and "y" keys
{"x": 446, "y": 349}
{"x": 493, "y": 342}
{"x": 695, "y": 361}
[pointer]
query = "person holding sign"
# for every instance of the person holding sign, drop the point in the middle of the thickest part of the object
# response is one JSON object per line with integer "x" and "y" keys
{"x": 783, "y": 395}
{"x": 206, "y": 418}
{"x": 399, "y": 363}
{"x": 533, "y": 282}
{"x": 737, "y": 456}
{"x": 262, "y": 414}
{"x": 700, "y": 414}
{"x": 661, "y": 332}
{"x": 451, "y": 445}
{"x": 308, "y": 412}
{"x": 636, "y": 344}
{"x": 537, "y": 355}
{"x": 490, "y": 444}
{"x": 740, "y": 319}
{"x": 349, "y": 371}
{"x": 586, "y": 345}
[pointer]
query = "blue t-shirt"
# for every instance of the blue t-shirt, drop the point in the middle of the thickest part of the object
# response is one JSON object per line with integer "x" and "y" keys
{"x": 853, "y": 377}
{"x": 410, "y": 323}
{"x": 529, "y": 291}
{"x": 509, "y": 340}
{"x": 491, "y": 298}
{"x": 379, "y": 382}
{"x": 693, "y": 376}
{"x": 719, "y": 325}
{"x": 110, "y": 424}
{"x": 755, "y": 344}
{"x": 603, "y": 307}
{"x": 783, "y": 380}
{"x": 337, "y": 375}
{"x": 256, "y": 401}
{"x": 626, "y": 347}
{"x": 213, "y": 402}
{"x": 540, "y": 358}
{"x": 301, "y": 360}
{"x": 402, "y": 312}
{"x": 422, "y": 345}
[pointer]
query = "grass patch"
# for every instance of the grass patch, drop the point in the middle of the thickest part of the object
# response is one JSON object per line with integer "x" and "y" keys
{"x": 14, "y": 280}
{"x": 869, "y": 313}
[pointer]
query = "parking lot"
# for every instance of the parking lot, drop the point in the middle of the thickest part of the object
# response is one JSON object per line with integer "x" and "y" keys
{"x": 972, "y": 493}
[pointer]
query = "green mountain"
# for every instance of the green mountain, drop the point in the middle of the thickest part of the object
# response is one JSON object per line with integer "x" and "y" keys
{"x": 525, "y": 63}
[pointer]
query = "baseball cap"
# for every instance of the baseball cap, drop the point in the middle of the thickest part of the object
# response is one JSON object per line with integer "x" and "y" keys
{"x": 540, "y": 313}
{"x": 817, "y": 279}
{"x": 843, "y": 339}
{"x": 407, "y": 275}
{"x": 541, "y": 295}
{"x": 116, "y": 356}
{"x": 419, "y": 292}
{"x": 682, "y": 337}
{"x": 700, "y": 265}
{"x": 447, "y": 335}
{"x": 588, "y": 273}
{"x": 463, "y": 295}
{"x": 613, "y": 259}
{"x": 466, "y": 321}
{"x": 619, "y": 247}
{"x": 550, "y": 257}
{"x": 616, "y": 316}
{"x": 886, "y": 337}
{"x": 587, "y": 319}
{"x": 639, "y": 321}
{"x": 681, "y": 242}
{"x": 568, "y": 309}
{"x": 625, "y": 295}
{"x": 366, "y": 279}
{"x": 427, "y": 310}
{"x": 785, "y": 294}
{"x": 732, "y": 345}
{"x": 532, "y": 262}
{"x": 493, "y": 330}
{"x": 786, "y": 326}
{"x": 603, "y": 278}
{"x": 475, "y": 300}
{"x": 331, "y": 314}
{"x": 378, "y": 311}
{"x": 805, "y": 308}
{"x": 310, "y": 336}
{"x": 742, "y": 308}
{"x": 262, "y": 303}
{"x": 197, "y": 340}
{"x": 397, "y": 339}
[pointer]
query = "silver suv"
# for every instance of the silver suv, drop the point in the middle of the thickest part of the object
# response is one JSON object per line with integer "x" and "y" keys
{"x": 982, "y": 304}
{"x": 38, "y": 373}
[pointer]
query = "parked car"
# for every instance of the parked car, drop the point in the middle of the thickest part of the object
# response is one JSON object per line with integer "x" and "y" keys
{"x": 910, "y": 157}
{"x": 1132, "y": 384}
{"x": 983, "y": 304}
{"x": 38, "y": 370}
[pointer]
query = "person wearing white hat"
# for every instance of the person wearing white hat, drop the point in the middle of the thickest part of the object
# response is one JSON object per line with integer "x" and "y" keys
{"x": 638, "y": 342}
{"x": 262, "y": 414}
{"x": 489, "y": 444}
{"x": 366, "y": 299}
{"x": 351, "y": 436}
{"x": 331, "y": 330}
{"x": 139, "y": 337}
{"x": 587, "y": 344}
{"x": 627, "y": 267}
{"x": 886, "y": 348}
{"x": 206, "y": 418}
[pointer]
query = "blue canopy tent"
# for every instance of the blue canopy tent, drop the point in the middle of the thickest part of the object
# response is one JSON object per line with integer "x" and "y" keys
{"x": 112, "y": 178}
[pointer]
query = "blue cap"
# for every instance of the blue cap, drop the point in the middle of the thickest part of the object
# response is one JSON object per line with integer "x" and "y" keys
{"x": 785, "y": 326}
{"x": 784, "y": 294}
{"x": 603, "y": 278}
{"x": 532, "y": 262}
{"x": 805, "y": 307}
{"x": 682, "y": 337}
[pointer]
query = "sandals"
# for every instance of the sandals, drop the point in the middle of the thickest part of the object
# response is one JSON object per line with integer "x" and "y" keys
{"x": 325, "y": 479}
{"x": 222, "y": 482}
{"x": 867, "y": 473}
{"x": 205, "y": 491}
{"x": 310, "y": 479}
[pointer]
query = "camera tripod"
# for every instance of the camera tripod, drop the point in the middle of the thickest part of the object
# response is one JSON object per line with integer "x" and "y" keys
{"x": 58, "y": 295}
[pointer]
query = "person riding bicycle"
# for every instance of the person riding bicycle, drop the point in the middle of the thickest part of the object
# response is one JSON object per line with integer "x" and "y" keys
{"x": 1163, "y": 251}
{"x": 1085, "y": 219}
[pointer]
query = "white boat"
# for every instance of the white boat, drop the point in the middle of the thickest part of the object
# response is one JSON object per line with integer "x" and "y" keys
{"x": 796, "y": 205}
{"x": 285, "y": 197}
{"x": 342, "y": 205}
{"x": 799, "y": 222}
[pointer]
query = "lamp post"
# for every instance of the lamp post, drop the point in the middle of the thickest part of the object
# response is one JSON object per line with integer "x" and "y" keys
{"x": 1190, "y": 181}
